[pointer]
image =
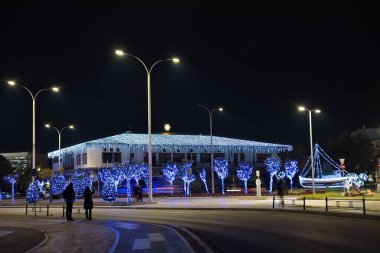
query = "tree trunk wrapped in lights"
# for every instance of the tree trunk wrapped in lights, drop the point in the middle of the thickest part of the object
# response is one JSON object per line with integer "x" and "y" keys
{"x": 244, "y": 173}
{"x": 170, "y": 172}
{"x": 272, "y": 165}
{"x": 221, "y": 169}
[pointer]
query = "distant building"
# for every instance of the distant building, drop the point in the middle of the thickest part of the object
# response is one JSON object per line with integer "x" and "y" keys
{"x": 23, "y": 160}
{"x": 373, "y": 134}
{"x": 130, "y": 147}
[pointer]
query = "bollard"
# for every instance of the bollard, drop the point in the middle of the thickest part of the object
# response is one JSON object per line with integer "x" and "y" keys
{"x": 273, "y": 201}
{"x": 26, "y": 209}
{"x": 47, "y": 210}
{"x": 364, "y": 211}
{"x": 327, "y": 206}
{"x": 63, "y": 211}
{"x": 35, "y": 208}
{"x": 304, "y": 203}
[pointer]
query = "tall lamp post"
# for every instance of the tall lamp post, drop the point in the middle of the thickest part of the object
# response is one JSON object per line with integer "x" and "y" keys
{"x": 59, "y": 147}
{"x": 302, "y": 108}
{"x": 34, "y": 97}
{"x": 212, "y": 149}
{"x": 148, "y": 72}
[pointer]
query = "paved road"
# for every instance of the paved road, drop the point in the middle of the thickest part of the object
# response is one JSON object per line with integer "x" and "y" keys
{"x": 231, "y": 230}
{"x": 260, "y": 231}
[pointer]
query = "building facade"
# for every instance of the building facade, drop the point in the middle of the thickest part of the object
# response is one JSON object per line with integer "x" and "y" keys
{"x": 132, "y": 148}
{"x": 21, "y": 161}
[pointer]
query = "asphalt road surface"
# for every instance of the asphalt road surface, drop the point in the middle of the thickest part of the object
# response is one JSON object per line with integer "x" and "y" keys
{"x": 261, "y": 231}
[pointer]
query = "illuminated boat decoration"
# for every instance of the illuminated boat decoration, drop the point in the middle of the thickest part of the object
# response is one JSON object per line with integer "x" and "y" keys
{"x": 322, "y": 180}
{"x": 337, "y": 182}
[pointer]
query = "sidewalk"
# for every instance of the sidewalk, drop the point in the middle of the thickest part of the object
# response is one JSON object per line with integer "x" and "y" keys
{"x": 47, "y": 231}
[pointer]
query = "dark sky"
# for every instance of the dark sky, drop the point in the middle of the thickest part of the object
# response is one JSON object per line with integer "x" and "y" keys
{"x": 258, "y": 61}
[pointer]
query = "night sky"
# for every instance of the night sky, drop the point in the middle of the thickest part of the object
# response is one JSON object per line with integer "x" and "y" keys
{"x": 258, "y": 61}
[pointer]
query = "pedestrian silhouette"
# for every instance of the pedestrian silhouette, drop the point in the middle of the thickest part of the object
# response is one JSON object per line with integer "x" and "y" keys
{"x": 88, "y": 203}
{"x": 137, "y": 190}
{"x": 280, "y": 190}
{"x": 69, "y": 195}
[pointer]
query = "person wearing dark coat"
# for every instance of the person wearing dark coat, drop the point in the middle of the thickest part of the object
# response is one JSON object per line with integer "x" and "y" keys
{"x": 69, "y": 196}
{"x": 88, "y": 203}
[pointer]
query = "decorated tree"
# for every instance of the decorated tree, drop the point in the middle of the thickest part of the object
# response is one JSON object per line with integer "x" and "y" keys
{"x": 109, "y": 189}
{"x": 291, "y": 168}
{"x": 12, "y": 181}
{"x": 129, "y": 172}
{"x": 144, "y": 171}
{"x": 244, "y": 173}
{"x": 81, "y": 179}
{"x": 202, "y": 176}
{"x": 272, "y": 165}
{"x": 57, "y": 184}
{"x": 33, "y": 193}
{"x": 170, "y": 172}
{"x": 185, "y": 173}
{"x": 221, "y": 169}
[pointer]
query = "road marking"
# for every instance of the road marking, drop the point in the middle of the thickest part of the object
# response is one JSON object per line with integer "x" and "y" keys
{"x": 4, "y": 233}
{"x": 141, "y": 244}
{"x": 127, "y": 225}
{"x": 156, "y": 237}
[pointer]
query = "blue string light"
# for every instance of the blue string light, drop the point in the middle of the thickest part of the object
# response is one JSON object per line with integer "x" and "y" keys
{"x": 221, "y": 169}
{"x": 57, "y": 184}
{"x": 272, "y": 165}
{"x": 81, "y": 179}
{"x": 170, "y": 172}
{"x": 33, "y": 193}
{"x": 185, "y": 173}
{"x": 291, "y": 168}
{"x": 244, "y": 173}
{"x": 196, "y": 143}
{"x": 202, "y": 176}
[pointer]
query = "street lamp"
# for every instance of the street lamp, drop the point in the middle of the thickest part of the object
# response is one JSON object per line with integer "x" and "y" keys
{"x": 55, "y": 89}
{"x": 59, "y": 148}
{"x": 302, "y": 108}
{"x": 212, "y": 149}
{"x": 148, "y": 71}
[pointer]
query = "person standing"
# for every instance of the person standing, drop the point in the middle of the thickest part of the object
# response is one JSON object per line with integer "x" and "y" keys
{"x": 88, "y": 203}
{"x": 139, "y": 193}
{"x": 69, "y": 196}
{"x": 280, "y": 190}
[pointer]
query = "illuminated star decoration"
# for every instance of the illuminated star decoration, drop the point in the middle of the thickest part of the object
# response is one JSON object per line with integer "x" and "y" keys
{"x": 167, "y": 127}
{"x": 272, "y": 165}
{"x": 221, "y": 169}
{"x": 202, "y": 176}
{"x": 170, "y": 172}
{"x": 291, "y": 168}
{"x": 244, "y": 173}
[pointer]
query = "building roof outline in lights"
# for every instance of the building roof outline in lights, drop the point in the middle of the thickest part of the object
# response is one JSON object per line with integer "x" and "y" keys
{"x": 198, "y": 143}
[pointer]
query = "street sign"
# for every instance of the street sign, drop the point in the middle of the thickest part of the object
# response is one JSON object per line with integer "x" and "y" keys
{"x": 342, "y": 160}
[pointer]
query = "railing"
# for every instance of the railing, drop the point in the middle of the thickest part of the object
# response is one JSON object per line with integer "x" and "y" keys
{"x": 354, "y": 204}
{"x": 34, "y": 209}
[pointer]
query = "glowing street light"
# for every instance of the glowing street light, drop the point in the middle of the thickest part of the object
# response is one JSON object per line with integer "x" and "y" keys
{"x": 55, "y": 89}
{"x": 119, "y": 52}
{"x": 59, "y": 146}
{"x": 212, "y": 149}
{"x": 302, "y": 108}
